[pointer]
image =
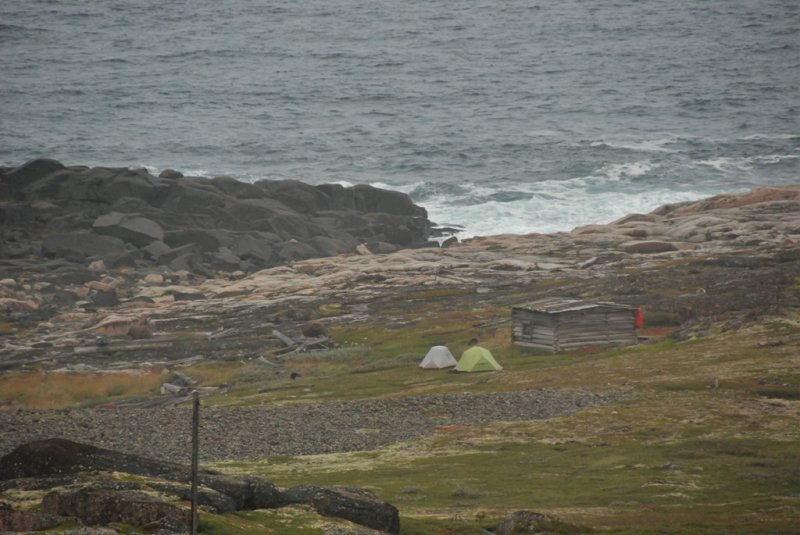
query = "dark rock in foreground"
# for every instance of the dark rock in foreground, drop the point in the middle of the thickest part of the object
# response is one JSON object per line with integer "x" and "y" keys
{"x": 91, "y": 495}
{"x": 20, "y": 520}
{"x": 130, "y": 217}
{"x": 355, "y": 504}
{"x": 100, "y": 507}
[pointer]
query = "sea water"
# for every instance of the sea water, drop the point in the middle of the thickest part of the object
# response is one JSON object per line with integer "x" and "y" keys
{"x": 497, "y": 116}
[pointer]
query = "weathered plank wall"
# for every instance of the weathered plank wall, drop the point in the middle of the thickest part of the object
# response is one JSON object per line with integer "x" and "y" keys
{"x": 573, "y": 329}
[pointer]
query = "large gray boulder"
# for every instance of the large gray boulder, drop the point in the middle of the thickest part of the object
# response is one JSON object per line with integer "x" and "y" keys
{"x": 354, "y": 504}
{"x": 131, "y": 228}
{"x": 258, "y": 247}
{"x": 83, "y": 246}
{"x": 330, "y": 246}
{"x": 524, "y": 523}
{"x": 206, "y": 240}
{"x": 101, "y": 507}
{"x": 24, "y": 175}
{"x": 373, "y": 200}
{"x": 294, "y": 250}
{"x": 300, "y": 197}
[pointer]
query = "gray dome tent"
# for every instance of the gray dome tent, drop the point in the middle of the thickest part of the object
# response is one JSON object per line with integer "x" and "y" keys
{"x": 438, "y": 357}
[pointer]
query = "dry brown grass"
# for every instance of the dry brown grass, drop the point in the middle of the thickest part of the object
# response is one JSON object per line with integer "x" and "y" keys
{"x": 43, "y": 390}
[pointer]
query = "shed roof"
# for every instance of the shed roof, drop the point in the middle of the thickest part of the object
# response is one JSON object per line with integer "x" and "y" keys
{"x": 561, "y": 304}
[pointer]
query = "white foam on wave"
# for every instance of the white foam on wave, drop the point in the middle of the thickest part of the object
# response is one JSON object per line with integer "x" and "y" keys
{"x": 622, "y": 171}
{"x": 745, "y": 164}
{"x": 185, "y": 171}
{"x": 721, "y": 163}
{"x": 549, "y": 206}
{"x": 643, "y": 145}
{"x": 752, "y": 137}
{"x": 552, "y": 212}
{"x": 343, "y": 183}
{"x": 405, "y": 188}
{"x": 774, "y": 158}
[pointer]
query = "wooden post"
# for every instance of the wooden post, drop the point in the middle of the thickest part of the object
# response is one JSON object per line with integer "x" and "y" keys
{"x": 195, "y": 437}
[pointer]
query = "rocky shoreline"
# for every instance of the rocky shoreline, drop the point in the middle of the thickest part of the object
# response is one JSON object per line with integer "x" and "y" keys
{"x": 129, "y": 218}
{"x": 728, "y": 257}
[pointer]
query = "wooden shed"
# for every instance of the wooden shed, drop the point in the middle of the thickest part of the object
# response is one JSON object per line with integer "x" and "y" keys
{"x": 559, "y": 325}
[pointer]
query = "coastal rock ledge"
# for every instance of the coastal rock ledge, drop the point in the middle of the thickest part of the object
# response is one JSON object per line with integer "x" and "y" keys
{"x": 128, "y": 217}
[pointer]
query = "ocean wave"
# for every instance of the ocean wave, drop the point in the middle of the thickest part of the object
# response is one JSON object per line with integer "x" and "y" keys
{"x": 120, "y": 61}
{"x": 7, "y": 28}
{"x": 198, "y": 53}
{"x": 725, "y": 163}
{"x": 551, "y": 128}
{"x": 556, "y": 211}
{"x": 423, "y": 191}
{"x": 644, "y": 145}
{"x": 545, "y": 206}
{"x": 753, "y": 137}
{"x": 468, "y": 194}
{"x": 624, "y": 171}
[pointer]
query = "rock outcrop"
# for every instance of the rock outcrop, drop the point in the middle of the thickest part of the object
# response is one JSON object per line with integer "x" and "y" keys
{"x": 524, "y": 523}
{"x": 96, "y": 495}
{"x": 100, "y": 507}
{"x": 12, "y": 519}
{"x": 354, "y": 504}
{"x": 130, "y": 217}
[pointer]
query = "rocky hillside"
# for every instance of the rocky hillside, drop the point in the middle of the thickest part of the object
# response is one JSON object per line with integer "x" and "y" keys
{"x": 731, "y": 256}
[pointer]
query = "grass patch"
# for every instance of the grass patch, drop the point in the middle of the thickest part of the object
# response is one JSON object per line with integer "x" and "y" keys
{"x": 457, "y": 524}
{"x": 788, "y": 392}
{"x": 212, "y": 373}
{"x": 42, "y": 390}
{"x": 716, "y": 484}
{"x": 284, "y": 521}
{"x": 704, "y": 442}
{"x": 680, "y": 454}
{"x": 405, "y": 360}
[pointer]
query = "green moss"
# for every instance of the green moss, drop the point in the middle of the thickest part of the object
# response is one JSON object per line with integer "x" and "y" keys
{"x": 782, "y": 327}
{"x": 788, "y": 392}
{"x": 286, "y": 521}
{"x": 452, "y": 526}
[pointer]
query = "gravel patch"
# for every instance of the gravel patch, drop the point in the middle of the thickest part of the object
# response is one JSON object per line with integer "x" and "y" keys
{"x": 244, "y": 433}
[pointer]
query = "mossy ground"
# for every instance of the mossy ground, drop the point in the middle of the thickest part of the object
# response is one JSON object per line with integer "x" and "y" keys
{"x": 707, "y": 439}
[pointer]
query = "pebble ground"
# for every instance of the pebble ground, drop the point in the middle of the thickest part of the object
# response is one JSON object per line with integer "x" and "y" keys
{"x": 246, "y": 433}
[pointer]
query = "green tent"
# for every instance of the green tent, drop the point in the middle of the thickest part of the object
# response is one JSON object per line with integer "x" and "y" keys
{"x": 477, "y": 359}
